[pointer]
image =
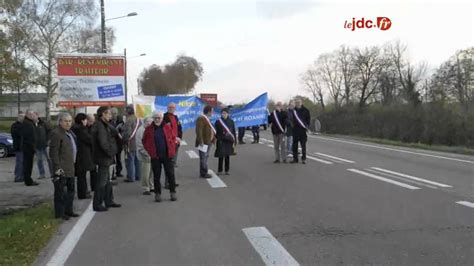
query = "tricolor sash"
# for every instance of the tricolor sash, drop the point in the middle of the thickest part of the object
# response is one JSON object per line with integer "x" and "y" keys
{"x": 278, "y": 121}
{"x": 210, "y": 124}
{"x": 298, "y": 119}
{"x": 227, "y": 129}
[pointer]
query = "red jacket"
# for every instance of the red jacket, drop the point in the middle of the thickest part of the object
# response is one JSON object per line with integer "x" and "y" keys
{"x": 149, "y": 141}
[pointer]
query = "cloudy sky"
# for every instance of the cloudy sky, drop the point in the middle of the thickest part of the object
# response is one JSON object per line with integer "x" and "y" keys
{"x": 250, "y": 47}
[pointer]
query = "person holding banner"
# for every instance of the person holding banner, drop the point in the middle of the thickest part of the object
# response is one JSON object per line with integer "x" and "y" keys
{"x": 129, "y": 132}
{"x": 205, "y": 137}
{"x": 278, "y": 119}
{"x": 301, "y": 120}
{"x": 226, "y": 140}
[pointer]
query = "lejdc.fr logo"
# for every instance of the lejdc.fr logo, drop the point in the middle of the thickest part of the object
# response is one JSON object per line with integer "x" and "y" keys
{"x": 383, "y": 23}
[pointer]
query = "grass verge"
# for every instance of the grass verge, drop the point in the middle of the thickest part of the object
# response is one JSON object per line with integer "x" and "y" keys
{"x": 24, "y": 233}
{"x": 448, "y": 149}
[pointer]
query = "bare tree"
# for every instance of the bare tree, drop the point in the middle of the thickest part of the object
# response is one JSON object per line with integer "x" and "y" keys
{"x": 312, "y": 84}
{"x": 347, "y": 70}
{"x": 329, "y": 72}
{"x": 49, "y": 24}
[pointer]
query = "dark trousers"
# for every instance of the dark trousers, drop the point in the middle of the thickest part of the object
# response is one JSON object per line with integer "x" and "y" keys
{"x": 241, "y": 134}
{"x": 203, "y": 157}
{"x": 93, "y": 179}
{"x": 156, "y": 165}
{"x": 118, "y": 161}
{"x": 256, "y": 134}
{"x": 18, "y": 166}
{"x": 175, "y": 162}
{"x": 81, "y": 184}
{"x": 63, "y": 196}
{"x": 221, "y": 162}
{"x": 103, "y": 189}
{"x": 28, "y": 156}
{"x": 299, "y": 138}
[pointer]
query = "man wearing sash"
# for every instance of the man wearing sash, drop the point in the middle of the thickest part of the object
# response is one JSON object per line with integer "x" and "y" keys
{"x": 278, "y": 120}
{"x": 129, "y": 132}
{"x": 226, "y": 140}
{"x": 301, "y": 120}
{"x": 205, "y": 137}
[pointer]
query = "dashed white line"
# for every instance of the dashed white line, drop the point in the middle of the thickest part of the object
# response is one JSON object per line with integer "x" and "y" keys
{"x": 383, "y": 179}
{"x": 215, "y": 181}
{"x": 271, "y": 146}
{"x": 334, "y": 157}
{"x": 192, "y": 154}
{"x": 411, "y": 177}
{"x": 67, "y": 246}
{"x": 183, "y": 143}
{"x": 318, "y": 160}
{"x": 397, "y": 150}
{"x": 269, "y": 249}
{"x": 466, "y": 203}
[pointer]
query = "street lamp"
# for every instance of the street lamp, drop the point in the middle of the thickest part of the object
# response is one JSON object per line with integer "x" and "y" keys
{"x": 102, "y": 19}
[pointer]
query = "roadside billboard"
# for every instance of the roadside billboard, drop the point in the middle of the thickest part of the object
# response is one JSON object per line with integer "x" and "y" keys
{"x": 91, "y": 80}
{"x": 209, "y": 98}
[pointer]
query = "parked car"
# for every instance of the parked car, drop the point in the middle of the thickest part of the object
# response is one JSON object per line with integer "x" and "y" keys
{"x": 6, "y": 145}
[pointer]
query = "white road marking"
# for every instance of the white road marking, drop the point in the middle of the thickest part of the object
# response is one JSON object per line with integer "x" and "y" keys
{"x": 401, "y": 178}
{"x": 383, "y": 179}
{"x": 67, "y": 246}
{"x": 215, "y": 181}
{"x": 411, "y": 177}
{"x": 268, "y": 247}
{"x": 318, "y": 160}
{"x": 192, "y": 154}
{"x": 397, "y": 150}
{"x": 466, "y": 203}
{"x": 271, "y": 146}
{"x": 335, "y": 158}
{"x": 183, "y": 143}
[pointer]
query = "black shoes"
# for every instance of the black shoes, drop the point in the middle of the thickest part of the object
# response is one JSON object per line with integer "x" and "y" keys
{"x": 206, "y": 176}
{"x": 304, "y": 161}
{"x": 173, "y": 196}
{"x": 242, "y": 142}
{"x": 227, "y": 173}
{"x": 100, "y": 209}
{"x": 276, "y": 161}
{"x": 32, "y": 184}
{"x": 157, "y": 197}
{"x": 146, "y": 193}
{"x": 292, "y": 162}
{"x": 72, "y": 214}
{"x": 128, "y": 181}
{"x": 114, "y": 205}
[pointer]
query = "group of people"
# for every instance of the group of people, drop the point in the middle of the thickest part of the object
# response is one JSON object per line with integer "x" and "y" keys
{"x": 94, "y": 144}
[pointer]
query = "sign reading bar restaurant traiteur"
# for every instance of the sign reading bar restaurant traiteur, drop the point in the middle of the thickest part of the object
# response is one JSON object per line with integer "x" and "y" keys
{"x": 91, "y": 79}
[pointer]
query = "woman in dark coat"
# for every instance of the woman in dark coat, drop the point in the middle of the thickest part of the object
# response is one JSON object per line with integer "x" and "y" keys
{"x": 226, "y": 140}
{"x": 84, "y": 160}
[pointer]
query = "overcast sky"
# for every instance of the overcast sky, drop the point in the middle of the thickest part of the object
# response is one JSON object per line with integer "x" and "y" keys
{"x": 250, "y": 47}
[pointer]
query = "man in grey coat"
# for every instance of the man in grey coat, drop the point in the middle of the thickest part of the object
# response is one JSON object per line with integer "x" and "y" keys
{"x": 63, "y": 151}
{"x": 129, "y": 133}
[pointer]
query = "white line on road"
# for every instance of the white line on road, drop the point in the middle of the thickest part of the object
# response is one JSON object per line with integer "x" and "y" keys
{"x": 271, "y": 146}
{"x": 183, "y": 143}
{"x": 411, "y": 177}
{"x": 335, "y": 158}
{"x": 68, "y": 244}
{"x": 401, "y": 178}
{"x": 397, "y": 150}
{"x": 192, "y": 154}
{"x": 269, "y": 249}
{"x": 318, "y": 160}
{"x": 466, "y": 203}
{"x": 215, "y": 181}
{"x": 383, "y": 179}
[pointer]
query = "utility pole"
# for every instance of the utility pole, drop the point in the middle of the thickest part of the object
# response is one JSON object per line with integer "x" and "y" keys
{"x": 126, "y": 91}
{"x": 102, "y": 20}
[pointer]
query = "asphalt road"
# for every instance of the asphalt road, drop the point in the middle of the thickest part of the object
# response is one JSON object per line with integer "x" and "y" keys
{"x": 353, "y": 203}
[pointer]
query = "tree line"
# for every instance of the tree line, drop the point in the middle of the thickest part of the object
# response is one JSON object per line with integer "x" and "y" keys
{"x": 378, "y": 92}
{"x": 34, "y": 31}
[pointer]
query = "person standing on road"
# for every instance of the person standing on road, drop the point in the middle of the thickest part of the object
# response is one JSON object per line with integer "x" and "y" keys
{"x": 278, "y": 121}
{"x": 301, "y": 120}
{"x": 226, "y": 140}
{"x": 144, "y": 159}
{"x": 28, "y": 146}
{"x": 241, "y": 135}
{"x": 15, "y": 131}
{"x": 205, "y": 137}
{"x": 256, "y": 134}
{"x": 117, "y": 123}
{"x": 129, "y": 132}
{"x": 42, "y": 134}
{"x": 160, "y": 143}
{"x": 63, "y": 151}
{"x": 84, "y": 162}
{"x": 93, "y": 171}
{"x": 105, "y": 149}
{"x": 173, "y": 120}
{"x": 289, "y": 128}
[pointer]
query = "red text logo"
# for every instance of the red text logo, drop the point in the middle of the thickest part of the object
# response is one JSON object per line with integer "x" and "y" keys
{"x": 383, "y": 23}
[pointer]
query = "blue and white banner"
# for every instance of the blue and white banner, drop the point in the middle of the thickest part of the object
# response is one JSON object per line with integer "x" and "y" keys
{"x": 188, "y": 109}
